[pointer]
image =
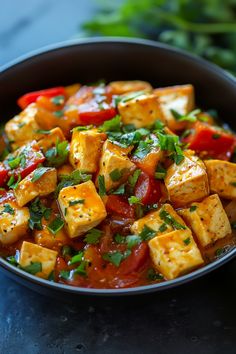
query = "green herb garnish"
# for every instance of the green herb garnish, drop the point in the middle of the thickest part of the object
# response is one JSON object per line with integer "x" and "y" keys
{"x": 192, "y": 208}
{"x": 147, "y": 233}
{"x": 77, "y": 201}
{"x": 101, "y": 185}
{"x": 93, "y": 236}
{"x": 33, "y": 268}
{"x": 38, "y": 211}
{"x": 57, "y": 155}
{"x": 38, "y": 173}
{"x": 169, "y": 220}
{"x": 56, "y": 225}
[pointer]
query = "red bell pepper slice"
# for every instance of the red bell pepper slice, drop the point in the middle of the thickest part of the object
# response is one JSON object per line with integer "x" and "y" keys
{"x": 212, "y": 141}
{"x": 31, "y": 97}
{"x": 147, "y": 189}
{"x": 136, "y": 260}
{"x": 118, "y": 205}
{"x": 3, "y": 174}
{"x": 94, "y": 105}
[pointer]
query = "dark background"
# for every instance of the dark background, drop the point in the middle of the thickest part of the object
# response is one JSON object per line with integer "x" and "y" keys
{"x": 196, "y": 318}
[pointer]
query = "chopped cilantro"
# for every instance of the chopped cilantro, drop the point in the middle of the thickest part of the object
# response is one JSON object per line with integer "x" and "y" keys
{"x": 134, "y": 178}
{"x": 77, "y": 201}
{"x": 132, "y": 96}
{"x": 134, "y": 200}
{"x": 133, "y": 240}
{"x": 38, "y": 173}
{"x": 216, "y": 136}
{"x": 83, "y": 127}
{"x": 120, "y": 190}
{"x": 116, "y": 175}
{"x": 192, "y": 208}
{"x": 33, "y": 268}
{"x": 8, "y": 209}
{"x": 163, "y": 227}
{"x": 219, "y": 252}
{"x": 38, "y": 211}
{"x": 119, "y": 238}
{"x": 168, "y": 219}
{"x": 233, "y": 184}
{"x": 51, "y": 276}
{"x": 58, "y": 100}
{"x": 81, "y": 269}
{"x": 101, "y": 185}
{"x": 58, "y": 154}
{"x": 153, "y": 275}
{"x": 67, "y": 250}
{"x": 14, "y": 163}
{"x": 93, "y": 236}
{"x": 56, "y": 225}
{"x": 187, "y": 241}
{"x": 112, "y": 125}
{"x": 160, "y": 172}
{"x": 58, "y": 114}
{"x": 147, "y": 233}
{"x": 76, "y": 177}
{"x": 64, "y": 274}
{"x": 189, "y": 117}
{"x": 76, "y": 258}
{"x": 113, "y": 257}
{"x": 143, "y": 149}
{"x": 12, "y": 260}
{"x": 12, "y": 183}
{"x": 233, "y": 224}
{"x": 42, "y": 131}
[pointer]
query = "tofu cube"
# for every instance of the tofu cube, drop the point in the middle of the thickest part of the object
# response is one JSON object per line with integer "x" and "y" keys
{"x": 85, "y": 149}
{"x": 155, "y": 222}
{"x": 207, "y": 219}
{"x": 114, "y": 165}
{"x": 122, "y": 87}
{"x": 13, "y": 222}
{"x": 31, "y": 253}
{"x": 50, "y": 140}
{"x": 187, "y": 182}
{"x": 23, "y": 127}
{"x": 175, "y": 253}
{"x": 141, "y": 111}
{"x": 178, "y": 98}
{"x": 222, "y": 178}
{"x": 27, "y": 190}
{"x": 81, "y": 207}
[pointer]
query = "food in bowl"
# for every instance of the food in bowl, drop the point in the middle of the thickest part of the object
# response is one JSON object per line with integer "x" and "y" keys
{"x": 115, "y": 185}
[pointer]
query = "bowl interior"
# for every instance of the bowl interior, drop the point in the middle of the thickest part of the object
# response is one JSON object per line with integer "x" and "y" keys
{"x": 116, "y": 59}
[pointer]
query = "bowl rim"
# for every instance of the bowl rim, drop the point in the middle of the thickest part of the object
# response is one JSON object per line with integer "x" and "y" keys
{"x": 226, "y": 257}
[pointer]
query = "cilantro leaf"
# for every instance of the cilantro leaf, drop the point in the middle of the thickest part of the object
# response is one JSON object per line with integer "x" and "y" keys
{"x": 112, "y": 125}
{"x": 189, "y": 117}
{"x": 57, "y": 155}
{"x": 93, "y": 236}
{"x": 76, "y": 258}
{"x": 133, "y": 240}
{"x": 169, "y": 220}
{"x": 38, "y": 211}
{"x": 76, "y": 177}
{"x": 33, "y": 268}
{"x": 56, "y": 225}
{"x": 147, "y": 233}
{"x": 101, "y": 186}
{"x": 7, "y": 208}
{"x": 38, "y": 173}
{"x": 113, "y": 257}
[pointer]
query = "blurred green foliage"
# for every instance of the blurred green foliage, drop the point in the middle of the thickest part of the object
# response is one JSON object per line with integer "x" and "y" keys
{"x": 203, "y": 27}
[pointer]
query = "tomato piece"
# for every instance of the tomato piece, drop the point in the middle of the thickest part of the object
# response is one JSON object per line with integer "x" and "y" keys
{"x": 94, "y": 105}
{"x": 31, "y": 97}
{"x": 136, "y": 260}
{"x": 31, "y": 157}
{"x": 119, "y": 205}
{"x": 212, "y": 141}
{"x": 147, "y": 189}
{"x": 3, "y": 174}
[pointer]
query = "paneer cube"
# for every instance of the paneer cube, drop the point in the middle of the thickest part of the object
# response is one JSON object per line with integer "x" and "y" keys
{"x": 23, "y": 127}
{"x": 31, "y": 253}
{"x": 29, "y": 188}
{"x": 207, "y": 219}
{"x": 114, "y": 165}
{"x": 13, "y": 222}
{"x": 175, "y": 253}
{"x": 141, "y": 111}
{"x": 178, "y": 98}
{"x": 155, "y": 220}
{"x": 49, "y": 140}
{"x": 187, "y": 182}
{"x": 121, "y": 87}
{"x": 82, "y": 208}
{"x": 222, "y": 178}
{"x": 85, "y": 149}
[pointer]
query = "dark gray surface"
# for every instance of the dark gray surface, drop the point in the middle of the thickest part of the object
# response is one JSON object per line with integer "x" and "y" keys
{"x": 197, "y": 318}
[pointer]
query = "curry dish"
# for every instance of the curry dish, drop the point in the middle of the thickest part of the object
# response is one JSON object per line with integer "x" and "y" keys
{"x": 115, "y": 185}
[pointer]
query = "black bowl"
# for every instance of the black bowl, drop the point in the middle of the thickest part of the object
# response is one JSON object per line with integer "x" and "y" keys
{"x": 115, "y": 59}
